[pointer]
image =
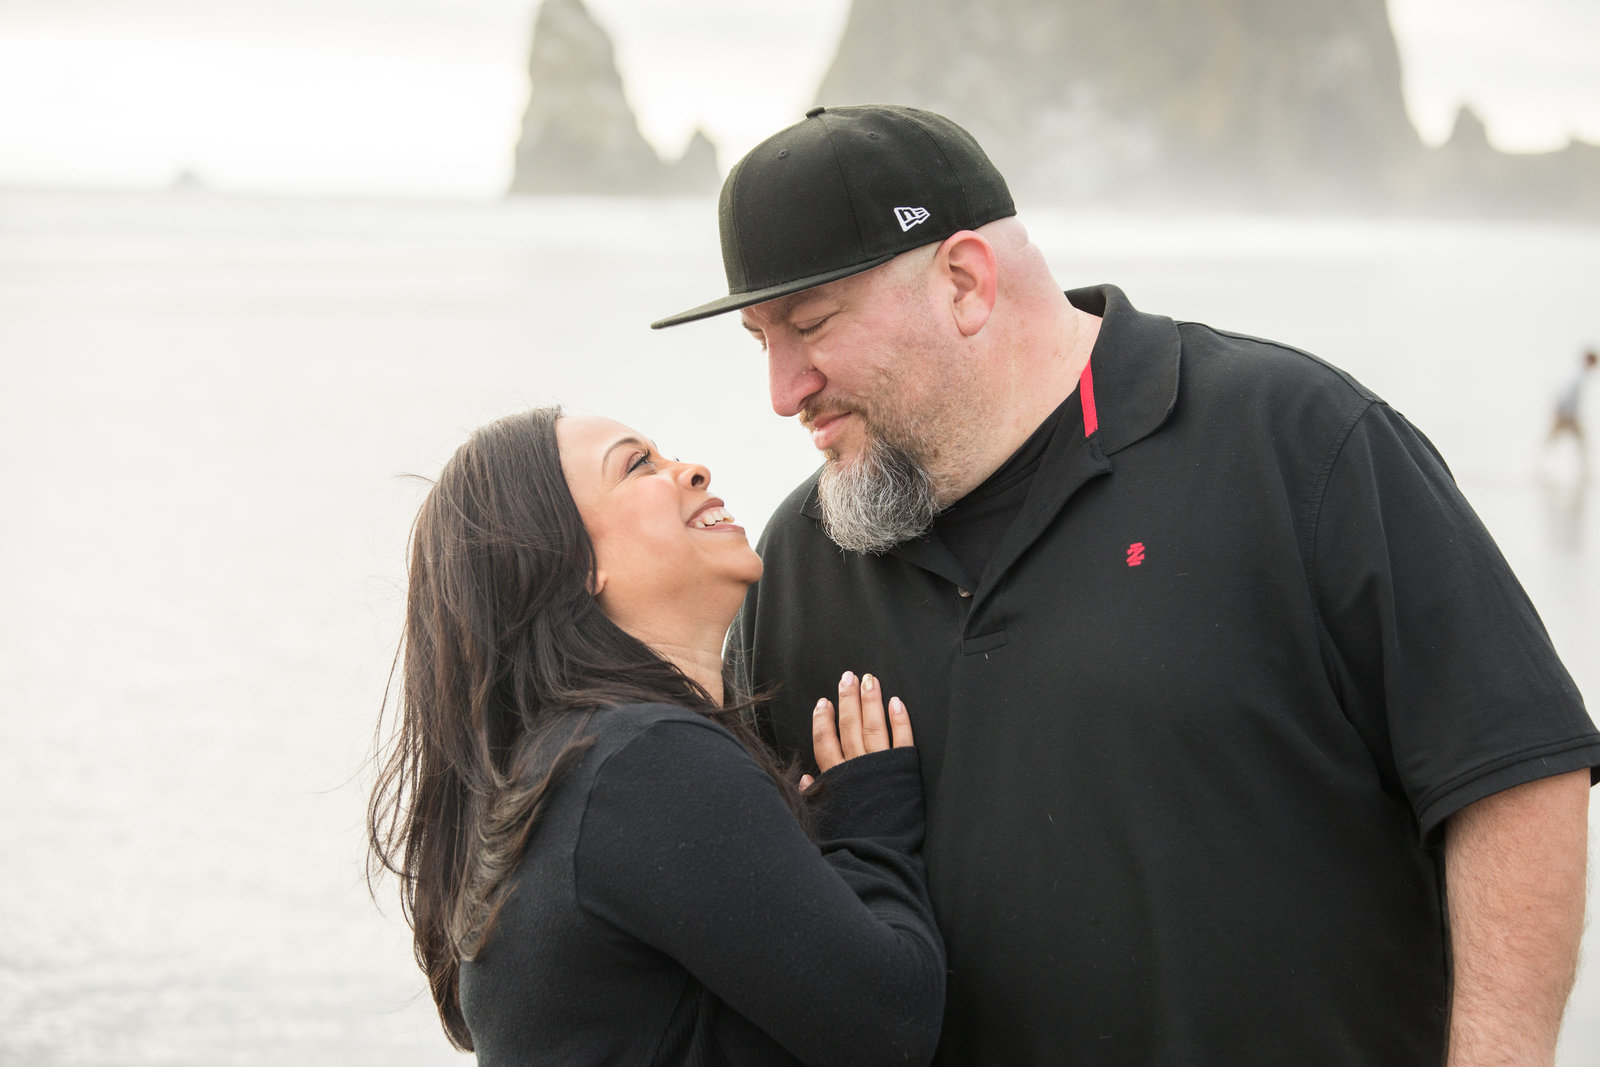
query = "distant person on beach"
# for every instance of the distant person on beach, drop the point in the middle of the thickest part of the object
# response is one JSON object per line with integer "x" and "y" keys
{"x": 1568, "y": 419}
{"x": 600, "y": 861}
{"x": 1241, "y": 743}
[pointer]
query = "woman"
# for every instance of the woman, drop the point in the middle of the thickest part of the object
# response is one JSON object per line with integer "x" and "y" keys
{"x": 599, "y": 860}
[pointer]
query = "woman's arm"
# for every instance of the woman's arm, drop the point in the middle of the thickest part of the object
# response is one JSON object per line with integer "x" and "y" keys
{"x": 688, "y": 846}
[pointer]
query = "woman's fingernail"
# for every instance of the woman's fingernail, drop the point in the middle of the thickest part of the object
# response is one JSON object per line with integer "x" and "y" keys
{"x": 847, "y": 679}
{"x": 896, "y": 706}
{"x": 867, "y": 683}
{"x": 822, "y": 706}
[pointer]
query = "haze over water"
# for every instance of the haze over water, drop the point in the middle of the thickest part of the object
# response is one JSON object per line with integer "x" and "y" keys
{"x": 210, "y": 404}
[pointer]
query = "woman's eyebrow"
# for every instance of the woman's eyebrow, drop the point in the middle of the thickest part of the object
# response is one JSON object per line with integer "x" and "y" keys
{"x": 637, "y": 441}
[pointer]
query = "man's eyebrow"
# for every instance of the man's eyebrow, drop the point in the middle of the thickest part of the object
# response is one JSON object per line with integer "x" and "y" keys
{"x": 784, "y": 315}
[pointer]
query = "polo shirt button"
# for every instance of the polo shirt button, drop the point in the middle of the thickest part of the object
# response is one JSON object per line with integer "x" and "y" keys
{"x": 962, "y": 592}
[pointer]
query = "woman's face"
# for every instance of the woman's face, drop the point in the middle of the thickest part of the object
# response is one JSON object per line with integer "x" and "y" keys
{"x": 661, "y": 540}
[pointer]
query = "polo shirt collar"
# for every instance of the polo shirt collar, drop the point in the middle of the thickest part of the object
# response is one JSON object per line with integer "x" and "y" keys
{"x": 1135, "y": 367}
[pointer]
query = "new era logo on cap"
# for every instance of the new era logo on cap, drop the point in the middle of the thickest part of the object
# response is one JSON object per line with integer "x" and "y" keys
{"x": 910, "y": 216}
{"x": 811, "y": 204}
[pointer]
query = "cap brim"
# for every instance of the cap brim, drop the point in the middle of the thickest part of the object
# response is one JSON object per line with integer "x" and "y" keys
{"x": 735, "y": 301}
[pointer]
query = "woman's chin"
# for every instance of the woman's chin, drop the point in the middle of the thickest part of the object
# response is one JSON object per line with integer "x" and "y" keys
{"x": 742, "y": 566}
{"x": 755, "y": 570}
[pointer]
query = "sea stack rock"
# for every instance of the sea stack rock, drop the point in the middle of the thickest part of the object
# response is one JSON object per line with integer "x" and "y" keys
{"x": 1230, "y": 104}
{"x": 1470, "y": 176}
{"x": 1214, "y": 101}
{"x": 696, "y": 170}
{"x": 579, "y": 135}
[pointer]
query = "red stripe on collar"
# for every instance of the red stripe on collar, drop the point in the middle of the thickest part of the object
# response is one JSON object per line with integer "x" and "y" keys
{"x": 1091, "y": 421}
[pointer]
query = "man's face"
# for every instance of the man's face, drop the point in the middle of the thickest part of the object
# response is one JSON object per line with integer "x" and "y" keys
{"x": 852, "y": 360}
{"x": 861, "y": 362}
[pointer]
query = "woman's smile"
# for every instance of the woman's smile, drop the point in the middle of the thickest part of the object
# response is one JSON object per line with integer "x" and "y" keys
{"x": 712, "y": 515}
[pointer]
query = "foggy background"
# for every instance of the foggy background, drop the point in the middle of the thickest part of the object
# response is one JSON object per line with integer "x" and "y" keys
{"x": 256, "y": 266}
{"x": 422, "y": 97}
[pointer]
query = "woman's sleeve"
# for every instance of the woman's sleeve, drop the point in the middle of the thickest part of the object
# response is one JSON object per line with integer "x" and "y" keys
{"x": 687, "y": 845}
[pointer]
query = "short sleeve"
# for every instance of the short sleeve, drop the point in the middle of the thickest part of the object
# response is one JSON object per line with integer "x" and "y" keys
{"x": 1443, "y": 663}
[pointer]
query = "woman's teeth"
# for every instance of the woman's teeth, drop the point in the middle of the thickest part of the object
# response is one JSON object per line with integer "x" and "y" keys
{"x": 711, "y": 517}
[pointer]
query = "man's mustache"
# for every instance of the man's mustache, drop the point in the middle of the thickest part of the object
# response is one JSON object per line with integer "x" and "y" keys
{"x": 810, "y": 415}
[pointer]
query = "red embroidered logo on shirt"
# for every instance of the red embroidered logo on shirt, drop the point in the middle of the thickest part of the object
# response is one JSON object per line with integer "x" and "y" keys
{"x": 1136, "y": 553}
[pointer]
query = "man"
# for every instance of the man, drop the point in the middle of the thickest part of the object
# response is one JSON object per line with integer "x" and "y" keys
{"x": 1241, "y": 744}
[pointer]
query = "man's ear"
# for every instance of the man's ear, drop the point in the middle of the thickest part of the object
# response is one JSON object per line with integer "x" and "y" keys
{"x": 968, "y": 262}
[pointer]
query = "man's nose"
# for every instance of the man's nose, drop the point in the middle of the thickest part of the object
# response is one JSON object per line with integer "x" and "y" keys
{"x": 791, "y": 379}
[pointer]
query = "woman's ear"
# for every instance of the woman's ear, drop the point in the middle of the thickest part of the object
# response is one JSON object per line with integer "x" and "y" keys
{"x": 968, "y": 262}
{"x": 597, "y": 582}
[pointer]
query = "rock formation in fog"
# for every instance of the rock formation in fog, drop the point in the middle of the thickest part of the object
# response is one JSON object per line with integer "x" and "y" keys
{"x": 1221, "y": 103}
{"x": 1468, "y": 175}
{"x": 578, "y": 133}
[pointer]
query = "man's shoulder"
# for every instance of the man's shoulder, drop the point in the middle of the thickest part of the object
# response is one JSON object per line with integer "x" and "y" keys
{"x": 1250, "y": 383}
{"x": 1267, "y": 364}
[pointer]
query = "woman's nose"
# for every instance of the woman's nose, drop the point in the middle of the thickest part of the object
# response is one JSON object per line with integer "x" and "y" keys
{"x": 694, "y": 476}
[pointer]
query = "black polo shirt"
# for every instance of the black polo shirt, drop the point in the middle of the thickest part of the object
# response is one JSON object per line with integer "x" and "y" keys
{"x": 1188, "y": 742}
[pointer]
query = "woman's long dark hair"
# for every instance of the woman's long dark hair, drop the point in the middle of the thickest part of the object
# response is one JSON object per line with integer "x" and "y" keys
{"x": 505, "y": 650}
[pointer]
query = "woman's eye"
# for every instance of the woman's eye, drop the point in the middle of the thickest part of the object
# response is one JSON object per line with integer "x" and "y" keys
{"x": 641, "y": 460}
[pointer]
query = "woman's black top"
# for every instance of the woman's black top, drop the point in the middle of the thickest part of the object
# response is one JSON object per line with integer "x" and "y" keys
{"x": 670, "y": 910}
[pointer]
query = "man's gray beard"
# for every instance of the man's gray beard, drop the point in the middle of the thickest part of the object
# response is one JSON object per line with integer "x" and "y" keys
{"x": 883, "y": 499}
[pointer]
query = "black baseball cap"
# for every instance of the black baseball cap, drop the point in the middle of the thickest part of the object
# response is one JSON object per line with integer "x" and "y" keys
{"x": 842, "y": 191}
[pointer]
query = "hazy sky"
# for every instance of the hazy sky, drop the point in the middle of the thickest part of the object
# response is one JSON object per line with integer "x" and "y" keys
{"x": 423, "y": 97}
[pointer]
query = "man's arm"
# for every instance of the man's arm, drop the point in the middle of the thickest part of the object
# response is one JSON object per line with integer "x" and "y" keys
{"x": 1515, "y": 867}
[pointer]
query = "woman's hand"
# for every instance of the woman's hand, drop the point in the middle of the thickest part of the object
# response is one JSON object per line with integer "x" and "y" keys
{"x": 860, "y": 726}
